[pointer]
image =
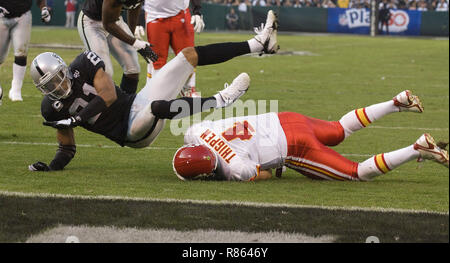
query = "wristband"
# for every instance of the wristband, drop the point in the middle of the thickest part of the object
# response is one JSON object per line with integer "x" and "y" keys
{"x": 63, "y": 156}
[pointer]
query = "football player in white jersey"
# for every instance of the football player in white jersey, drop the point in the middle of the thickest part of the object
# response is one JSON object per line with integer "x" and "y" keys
{"x": 248, "y": 148}
{"x": 169, "y": 24}
{"x": 15, "y": 27}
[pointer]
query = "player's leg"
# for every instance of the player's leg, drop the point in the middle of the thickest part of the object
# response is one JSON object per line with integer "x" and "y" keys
{"x": 310, "y": 157}
{"x": 127, "y": 57}
{"x": 158, "y": 34}
{"x": 360, "y": 118}
{"x": 307, "y": 155}
{"x": 94, "y": 38}
{"x": 424, "y": 148}
{"x": 147, "y": 116}
{"x": 20, "y": 36}
{"x": 5, "y": 39}
{"x": 182, "y": 37}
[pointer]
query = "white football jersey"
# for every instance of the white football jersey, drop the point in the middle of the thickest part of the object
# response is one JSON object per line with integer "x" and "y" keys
{"x": 155, "y": 9}
{"x": 244, "y": 145}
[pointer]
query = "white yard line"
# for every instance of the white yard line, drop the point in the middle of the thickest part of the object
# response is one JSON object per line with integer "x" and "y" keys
{"x": 407, "y": 128}
{"x": 224, "y": 202}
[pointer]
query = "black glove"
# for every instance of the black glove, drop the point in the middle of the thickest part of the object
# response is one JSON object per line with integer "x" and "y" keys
{"x": 3, "y": 12}
{"x": 39, "y": 167}
{"x": 148, "y": 54}
{"x": 63, "y": 124}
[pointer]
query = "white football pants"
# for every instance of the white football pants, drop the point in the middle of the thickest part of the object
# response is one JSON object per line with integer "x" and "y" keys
{"x": 18, "y": 31}
{"x": 97, "y": 39}
{"x": 166, "y": 85}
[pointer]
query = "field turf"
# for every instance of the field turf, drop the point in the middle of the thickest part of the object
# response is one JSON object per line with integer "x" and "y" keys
{"x": 319, "y": 76}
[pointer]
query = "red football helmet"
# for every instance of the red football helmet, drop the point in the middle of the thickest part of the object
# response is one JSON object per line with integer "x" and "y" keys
{"x": 194, "y": 162}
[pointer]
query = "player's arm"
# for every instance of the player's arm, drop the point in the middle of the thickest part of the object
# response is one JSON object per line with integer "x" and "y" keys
{"x": 111, "y": 10}
{"x": 105, "y": 88}
{"x": 65, "y": 153}
{"x": 263, "y": 175}
{"x": 106, "y": 95}
{"x": 133, "y": 16}
{"x": 110, "y": 14}
{"x": 45, "y": 14}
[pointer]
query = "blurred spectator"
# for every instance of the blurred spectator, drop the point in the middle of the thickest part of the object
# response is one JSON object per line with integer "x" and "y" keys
{"x": 71, "y": 9}
{"x": 273, "y": 2}
{"x": 316, "y": 3}
{"x": 384, "y": 15}
{"x": 412, "y": 5}
{"x": 442, "y": 6}
{"x": 343, "y": 3}
{"x": 232, "y": 19}
{"x": 245, "y": 15}
{"x": 328, "y": 4}
{"x": 259, "y": 3}
{"x": 422, "y": 6}
{"x": 297, "y": 4}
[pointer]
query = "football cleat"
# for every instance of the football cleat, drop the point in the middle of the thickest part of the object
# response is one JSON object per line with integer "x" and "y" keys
{"x": 236, "y": 89}
{"x": 429, "y": 150}
{"x": 14, "y": 95}
{"x": 1, "y": 95}
{"x": 267, "y": 34}
{"x": 188, "y": 91}
{"x": 408, "y": 102}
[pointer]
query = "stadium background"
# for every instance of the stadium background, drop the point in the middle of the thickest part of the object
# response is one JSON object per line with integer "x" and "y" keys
{"x": 309, "y": 19}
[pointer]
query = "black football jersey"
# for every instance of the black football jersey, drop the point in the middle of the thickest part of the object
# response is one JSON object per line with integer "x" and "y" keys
{"x": 16, "y": 8}
{"x": 93, "y": 9}
{"x": 112, "y": 122}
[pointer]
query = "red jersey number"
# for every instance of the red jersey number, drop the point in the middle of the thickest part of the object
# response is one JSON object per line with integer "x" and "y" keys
{"x": 240, "y": 130}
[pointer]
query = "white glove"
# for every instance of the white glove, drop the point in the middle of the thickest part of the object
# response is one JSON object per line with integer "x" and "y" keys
{"x": 197, "y": 21}
{"x": 139, "y": 44}
{"x": 3, "y": 11}
{"x": 139, "y": 32}
{"x": 45, "y": 15}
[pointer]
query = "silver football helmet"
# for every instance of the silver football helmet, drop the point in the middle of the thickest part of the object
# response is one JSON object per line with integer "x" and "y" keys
{"x": 51, "y": 75}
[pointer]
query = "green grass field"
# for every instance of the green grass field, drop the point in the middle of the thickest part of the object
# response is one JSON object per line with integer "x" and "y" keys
{"x": 340, "y": 74}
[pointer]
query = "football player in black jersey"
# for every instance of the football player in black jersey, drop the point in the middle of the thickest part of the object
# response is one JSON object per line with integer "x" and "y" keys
{"x": 103, "y": 30}
{"x": 83, "y": 94}
{"x": 15, "y": 27}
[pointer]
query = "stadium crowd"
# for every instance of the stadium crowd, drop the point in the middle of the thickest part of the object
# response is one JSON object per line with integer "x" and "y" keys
{"x": 421, "y": 5}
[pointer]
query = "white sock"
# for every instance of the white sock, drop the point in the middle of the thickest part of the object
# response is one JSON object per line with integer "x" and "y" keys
{"x": 220, "y": 102}
{"x": 18, "y": 75}
{"x": 385, "y": 162}
{"x": 360, "y": 118}
{"x": 191, "y": 81}
{"x": 255, "y": 46}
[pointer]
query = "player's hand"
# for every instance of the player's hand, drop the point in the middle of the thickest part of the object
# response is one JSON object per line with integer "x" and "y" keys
{"x": 139, "y": 32}
{"x": 39, "y": 167}
{"x": 45, "y": 15}
{"x": 197, "y": 21}
{"x": 3, "y": 12}
{"x": 62, "y": 124}
{"x": 144, "y": 49}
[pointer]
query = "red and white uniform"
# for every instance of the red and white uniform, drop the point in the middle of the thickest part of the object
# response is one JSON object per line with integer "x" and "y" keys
{"x": 243, "y": 145}
{"x": 168, "y": 24}
{"x": 246, "y": 145}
